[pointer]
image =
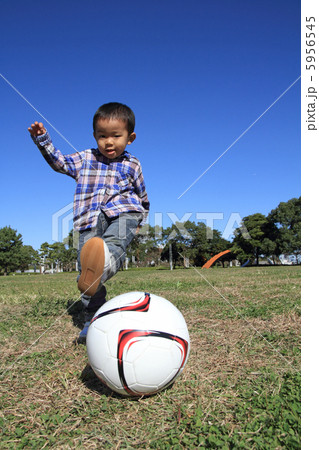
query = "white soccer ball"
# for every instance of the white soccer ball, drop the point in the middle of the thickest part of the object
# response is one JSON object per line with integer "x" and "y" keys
{"x": 138, "y": 343}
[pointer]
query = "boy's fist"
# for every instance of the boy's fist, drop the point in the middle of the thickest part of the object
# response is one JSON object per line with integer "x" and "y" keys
{"x": 37, "y": 129}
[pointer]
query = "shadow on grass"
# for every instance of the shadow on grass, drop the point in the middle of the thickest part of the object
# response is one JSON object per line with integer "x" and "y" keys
{"x": 92, "y": 382}
{"x": 75, "y": 310}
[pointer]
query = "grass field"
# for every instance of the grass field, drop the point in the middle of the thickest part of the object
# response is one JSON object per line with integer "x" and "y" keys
{"x": 240, "y": 387}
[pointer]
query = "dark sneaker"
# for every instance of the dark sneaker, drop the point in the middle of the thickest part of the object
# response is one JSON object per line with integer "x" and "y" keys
{"x": 88, "y": 316}
{"x": 91, "y": 305}
{"x": 83, "y": 334}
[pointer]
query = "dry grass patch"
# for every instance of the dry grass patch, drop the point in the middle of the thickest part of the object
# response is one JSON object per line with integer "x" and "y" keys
{"x": 239, "y": 387}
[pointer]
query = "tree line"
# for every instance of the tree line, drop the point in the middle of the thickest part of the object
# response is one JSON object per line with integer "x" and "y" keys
{"x": 16, "y": 256}
{"x": 185, "y": 243}
{"x": 257, "y": 236}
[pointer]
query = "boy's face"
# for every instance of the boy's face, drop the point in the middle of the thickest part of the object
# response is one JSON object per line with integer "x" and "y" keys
{"x": 112, "y": 137}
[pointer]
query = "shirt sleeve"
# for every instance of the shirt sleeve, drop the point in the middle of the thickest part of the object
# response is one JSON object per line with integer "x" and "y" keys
{"x": 66, "y": 164}
{"x": 140, "y": 189}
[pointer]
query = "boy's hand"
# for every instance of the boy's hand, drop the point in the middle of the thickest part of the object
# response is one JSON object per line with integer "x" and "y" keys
{"x": 37, "y": 129}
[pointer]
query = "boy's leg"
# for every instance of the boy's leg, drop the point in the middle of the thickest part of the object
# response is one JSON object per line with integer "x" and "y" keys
{"x": 85, "y": 258}
{"x": 92, "y": 261}
{"x": 110, "y": 248}
{"x": 117, "y": 236}
{"x": 90, "y": 303}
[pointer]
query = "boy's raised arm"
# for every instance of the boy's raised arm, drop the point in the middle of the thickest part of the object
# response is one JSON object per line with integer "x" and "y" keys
{"x": 67, "y": 164}
{"x": 37, "y": 129}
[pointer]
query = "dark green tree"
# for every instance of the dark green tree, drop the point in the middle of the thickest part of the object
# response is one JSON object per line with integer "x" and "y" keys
{"x": 206, "y": 243}
{"x": 286, "y": 223}
{"x": 145, "y": 247}
{"x": 29, "y": 257}
{"x": 10, "y": 250}
{"x": 180, "y": 237}
{"x": 71, "y": 252}
{"x": 57, "y": 256}
{"x": 45, "y": 255}
{"x": 252, "y": 246}
{"x": 193, "y": 240}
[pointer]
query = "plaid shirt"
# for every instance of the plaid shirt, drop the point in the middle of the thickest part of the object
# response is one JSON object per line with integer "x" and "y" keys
{"x": 103, "y": 184}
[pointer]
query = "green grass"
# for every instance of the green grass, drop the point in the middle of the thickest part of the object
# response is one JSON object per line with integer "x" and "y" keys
{"x": 240, "y": 387}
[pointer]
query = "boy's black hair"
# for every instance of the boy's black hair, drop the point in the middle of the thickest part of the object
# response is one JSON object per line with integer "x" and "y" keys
{"x": 118, "y": 111}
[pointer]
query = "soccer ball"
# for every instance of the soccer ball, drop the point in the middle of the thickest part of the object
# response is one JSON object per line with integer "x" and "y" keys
{"x": 138, "y": 343}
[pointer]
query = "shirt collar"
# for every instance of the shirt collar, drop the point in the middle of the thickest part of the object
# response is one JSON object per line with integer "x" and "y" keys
{"x": 102, "y": 158}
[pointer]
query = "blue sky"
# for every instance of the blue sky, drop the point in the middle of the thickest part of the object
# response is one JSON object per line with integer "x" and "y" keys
{"x": 196, "y": 73}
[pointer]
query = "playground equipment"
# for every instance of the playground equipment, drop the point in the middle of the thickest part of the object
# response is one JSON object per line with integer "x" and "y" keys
{"x": 246, "y": 263}
{"x": 211, "y": 261}
{"x": 285, "y": 259}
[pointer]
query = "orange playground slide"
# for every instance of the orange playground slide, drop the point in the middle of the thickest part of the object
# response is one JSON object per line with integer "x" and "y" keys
{"x": 211, "y": 261}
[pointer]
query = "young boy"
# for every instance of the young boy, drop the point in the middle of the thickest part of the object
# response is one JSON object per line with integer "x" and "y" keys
{"x": 110, "y": 200}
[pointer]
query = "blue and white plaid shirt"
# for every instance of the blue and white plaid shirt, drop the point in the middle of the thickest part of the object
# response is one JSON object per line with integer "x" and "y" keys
{"x": 113, "y": 186}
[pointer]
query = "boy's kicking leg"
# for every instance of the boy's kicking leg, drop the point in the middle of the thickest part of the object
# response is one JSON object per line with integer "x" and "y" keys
{"x": 95, "y": 261}
{"x": 101, "y": 257}
{"x": 91, "y": 305}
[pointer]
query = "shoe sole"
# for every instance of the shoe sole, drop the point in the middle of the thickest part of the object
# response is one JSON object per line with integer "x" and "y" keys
{"x": 92, "y": 265}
